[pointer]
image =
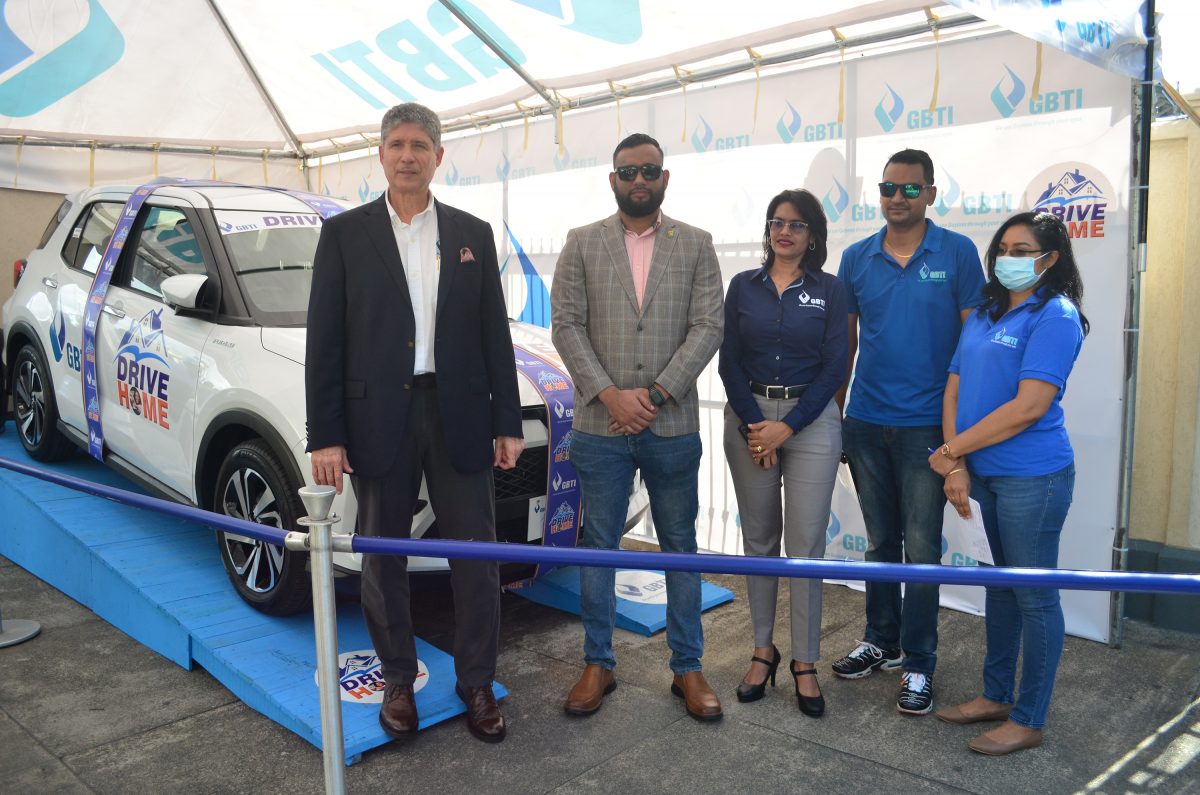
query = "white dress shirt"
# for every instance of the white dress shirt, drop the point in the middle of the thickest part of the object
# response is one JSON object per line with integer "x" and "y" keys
{"x": 420, "y": 250}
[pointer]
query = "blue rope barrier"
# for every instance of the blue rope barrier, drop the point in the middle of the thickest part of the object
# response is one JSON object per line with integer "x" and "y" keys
{"x": 1146, "y": 582}
{"x": 230, "y": 524}
{"x": 810, "y": 568}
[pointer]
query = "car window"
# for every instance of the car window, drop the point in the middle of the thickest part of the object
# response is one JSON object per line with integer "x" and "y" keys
{"x": 88, "y": 239}
{"x": 166, "y": 246}
{"x": 272, "y": 257}
{"x": 55, "y": 222}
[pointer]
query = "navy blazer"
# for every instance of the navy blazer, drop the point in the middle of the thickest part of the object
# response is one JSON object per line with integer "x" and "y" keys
{"x": 361, "y": 342}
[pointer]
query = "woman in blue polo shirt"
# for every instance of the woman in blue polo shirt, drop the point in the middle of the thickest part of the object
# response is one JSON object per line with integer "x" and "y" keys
{"x": 782, "y": 360}
{"x": 1008, "y": 449}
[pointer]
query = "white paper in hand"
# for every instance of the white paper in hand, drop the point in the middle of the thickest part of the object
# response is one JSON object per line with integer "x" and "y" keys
{"x": 968, "y": 534}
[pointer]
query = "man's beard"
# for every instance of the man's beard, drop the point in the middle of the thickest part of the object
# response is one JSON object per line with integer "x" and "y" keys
{"x": 640, "y": 209}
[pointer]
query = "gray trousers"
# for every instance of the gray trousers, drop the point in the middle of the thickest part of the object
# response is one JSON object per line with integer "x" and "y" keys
{"x": 466, "y": 511}
{"x": 788, "y": 503}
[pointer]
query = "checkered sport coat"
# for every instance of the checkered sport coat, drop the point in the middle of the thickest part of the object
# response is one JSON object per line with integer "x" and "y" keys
{"x": 605, "y": 339}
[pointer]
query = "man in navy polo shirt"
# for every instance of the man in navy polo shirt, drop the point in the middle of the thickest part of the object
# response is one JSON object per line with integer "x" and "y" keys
{"x": 909, "y": 287}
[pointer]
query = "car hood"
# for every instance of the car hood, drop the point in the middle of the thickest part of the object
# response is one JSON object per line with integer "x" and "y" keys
{"x": 289, "y": 343}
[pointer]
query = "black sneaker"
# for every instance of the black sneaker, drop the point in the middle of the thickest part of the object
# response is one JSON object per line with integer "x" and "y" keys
{"x": 865, "y": 658}
{"x": 916, "y": 694}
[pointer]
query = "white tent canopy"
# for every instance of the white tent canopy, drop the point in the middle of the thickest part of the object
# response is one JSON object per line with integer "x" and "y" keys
{"x": 306, "y": 77}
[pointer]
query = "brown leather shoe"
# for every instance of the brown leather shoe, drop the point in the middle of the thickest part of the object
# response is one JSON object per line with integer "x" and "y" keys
{"x": 483, "y": 713}
{"x": 594, "y": 684}
{"x": 957, "y": 716}
{"x": 398, "y": 715}
{"x": 986, "y": 745}
{"x": 699, "y": 699}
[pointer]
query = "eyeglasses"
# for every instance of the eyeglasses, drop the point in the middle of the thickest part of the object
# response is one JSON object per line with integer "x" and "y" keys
{"x": 778, "y": 224}
{"x": 1018, "y": 252}
{"x": 911, "y": 190}
{"x": 650, "y": 171}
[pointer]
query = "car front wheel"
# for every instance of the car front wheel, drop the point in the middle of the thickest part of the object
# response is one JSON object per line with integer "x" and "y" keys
{"x": 35, "y": 410}
{"x": 253, "y": 485}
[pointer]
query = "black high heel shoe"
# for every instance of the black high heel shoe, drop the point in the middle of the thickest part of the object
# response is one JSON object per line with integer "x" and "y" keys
{"x": 747, "y": 692}
{"x": 812, "y": 706}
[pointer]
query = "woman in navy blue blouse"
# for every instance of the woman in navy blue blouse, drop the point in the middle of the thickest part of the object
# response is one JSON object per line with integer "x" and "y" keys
{"x": 1007, "y": 448}
{"x": 782, "y": 361}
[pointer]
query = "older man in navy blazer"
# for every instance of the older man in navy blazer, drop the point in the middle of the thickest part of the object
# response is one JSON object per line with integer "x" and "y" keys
{"x": 409, "y": 371}
{"x": 637, "y": 314}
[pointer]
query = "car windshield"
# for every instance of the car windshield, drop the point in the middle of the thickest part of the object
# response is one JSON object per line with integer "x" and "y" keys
{"x": 272, "y": 257}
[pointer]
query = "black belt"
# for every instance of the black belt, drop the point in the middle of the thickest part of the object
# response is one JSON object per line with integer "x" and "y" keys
{"x": 425, "y": 381}
{"x": 776, "y": 391}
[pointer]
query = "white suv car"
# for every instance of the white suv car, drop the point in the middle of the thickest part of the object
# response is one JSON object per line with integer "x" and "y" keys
{"x": 200, "y": 364}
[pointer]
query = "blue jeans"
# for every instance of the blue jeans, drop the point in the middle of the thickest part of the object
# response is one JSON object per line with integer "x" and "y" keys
{"x": 669, "y": 466}
{"x": 1023, "y": 517}
{"x": 902, "y": 500}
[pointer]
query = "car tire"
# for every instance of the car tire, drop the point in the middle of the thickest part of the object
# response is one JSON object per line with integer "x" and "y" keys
{"x": 253, "y": 484}
{"x": 35, "y": 412}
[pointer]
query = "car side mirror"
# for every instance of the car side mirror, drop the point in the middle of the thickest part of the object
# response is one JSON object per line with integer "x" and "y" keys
{"x": 183, "y": 291}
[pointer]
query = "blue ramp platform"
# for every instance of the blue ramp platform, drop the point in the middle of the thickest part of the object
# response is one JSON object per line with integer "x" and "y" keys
{"x": 160, "y": 581}
{"x": 641, "y": 596}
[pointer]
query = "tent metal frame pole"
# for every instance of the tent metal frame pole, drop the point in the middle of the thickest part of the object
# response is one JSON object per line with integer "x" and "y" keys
{"x": 501, "y": 53}
{"x": 258, "y": 83}
{"x": 179, "y": 149}
{"x": 1142, "y": 121}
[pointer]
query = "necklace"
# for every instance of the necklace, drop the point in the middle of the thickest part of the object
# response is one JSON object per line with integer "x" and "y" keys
{"x": 897, "y": 253}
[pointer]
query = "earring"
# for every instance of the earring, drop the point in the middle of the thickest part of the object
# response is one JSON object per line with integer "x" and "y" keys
{"x": 812, "y": 246}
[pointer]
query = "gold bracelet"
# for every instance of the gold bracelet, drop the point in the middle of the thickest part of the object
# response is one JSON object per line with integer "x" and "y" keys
{"x": 952, "y": 471}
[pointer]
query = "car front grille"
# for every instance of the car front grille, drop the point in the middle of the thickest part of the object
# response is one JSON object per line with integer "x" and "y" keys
{"x": 527, "y": 479}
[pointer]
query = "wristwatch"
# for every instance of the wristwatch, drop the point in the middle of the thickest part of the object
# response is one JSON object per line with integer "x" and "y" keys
{"x": 656, "y": 397}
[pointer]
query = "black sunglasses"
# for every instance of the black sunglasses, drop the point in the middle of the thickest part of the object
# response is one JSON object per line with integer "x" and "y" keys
{"x": 911, "y": 189}
{"x": 649, "y": 170}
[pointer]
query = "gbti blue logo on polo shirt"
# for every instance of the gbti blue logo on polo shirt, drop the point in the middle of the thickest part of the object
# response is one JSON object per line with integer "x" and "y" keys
{"x": 51, "y": 70}
{"x": 1002, "y": 337}
{"x": 928, "y": 275}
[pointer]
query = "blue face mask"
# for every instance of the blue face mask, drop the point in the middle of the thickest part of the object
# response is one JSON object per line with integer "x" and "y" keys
{"x": 1017, "y": 273}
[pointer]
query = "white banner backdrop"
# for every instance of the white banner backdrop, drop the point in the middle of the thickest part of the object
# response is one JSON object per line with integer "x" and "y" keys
{"x": 997, "y": 148}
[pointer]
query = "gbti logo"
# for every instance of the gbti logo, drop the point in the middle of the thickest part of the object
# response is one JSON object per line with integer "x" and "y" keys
{"x": 1006, "y": 100}
{"x": 887, "y": 117}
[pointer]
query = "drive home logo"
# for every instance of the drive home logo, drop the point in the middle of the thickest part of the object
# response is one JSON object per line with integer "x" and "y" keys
{"x": 38, "y": 71}
{"x": 562, "y": 450}
{"x": 143, "y": 380}
{"x": 643, "y": 587}
{"x": 1075, "y": 192}
{"x": 563, "y": 519}
{"x": 360, "y": 675}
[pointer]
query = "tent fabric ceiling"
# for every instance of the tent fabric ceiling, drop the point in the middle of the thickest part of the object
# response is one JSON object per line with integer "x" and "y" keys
{"x": 291, "y": 76}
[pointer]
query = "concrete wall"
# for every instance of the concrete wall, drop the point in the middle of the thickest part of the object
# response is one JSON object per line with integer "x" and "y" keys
{"x": 1166, "y": 490}
{"x": 24, "y": 215}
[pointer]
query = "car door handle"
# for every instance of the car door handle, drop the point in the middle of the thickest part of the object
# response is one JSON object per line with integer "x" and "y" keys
{"x": 112, "y": 310}
{"x": 51, "y": 283}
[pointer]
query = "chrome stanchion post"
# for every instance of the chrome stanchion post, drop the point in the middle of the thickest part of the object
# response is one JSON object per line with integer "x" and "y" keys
{"x": 317, "y": 501}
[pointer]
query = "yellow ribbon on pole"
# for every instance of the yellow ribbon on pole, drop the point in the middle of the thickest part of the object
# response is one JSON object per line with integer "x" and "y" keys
{"x": 214, "y": 163}
{"x": 559, "y": 128}
{"x": 92, "y": 164}
{"x": 1037, "y": 74}
{"x": 612, "y": 87}
{"x": 266, "y": 178}
{"x": 154, "y": 158}
{"x": 756, "y": 59}
{"x": 17, "y": 171}
{"x": 525, "y": 122}
{"x": 937, "y": 57}
{"x": 841, "y": 43}
{"x": 682, "y": 76}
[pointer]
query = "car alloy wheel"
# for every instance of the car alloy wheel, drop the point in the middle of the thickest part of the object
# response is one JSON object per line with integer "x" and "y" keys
{"x": 254, "y": 485}
{"x": 35, "y": 409}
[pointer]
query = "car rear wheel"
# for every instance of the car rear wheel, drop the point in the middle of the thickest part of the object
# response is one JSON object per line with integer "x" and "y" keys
{"x": 36, "y": 413}
{"x": 253, "y": 485}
